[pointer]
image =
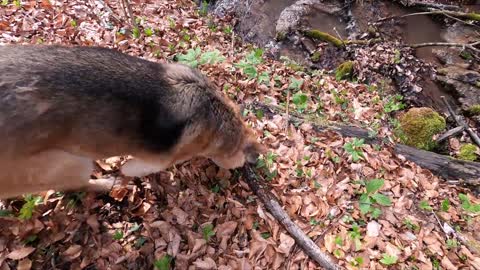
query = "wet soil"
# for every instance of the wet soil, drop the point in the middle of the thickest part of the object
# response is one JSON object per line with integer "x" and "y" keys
{"x": 259, "y": 22}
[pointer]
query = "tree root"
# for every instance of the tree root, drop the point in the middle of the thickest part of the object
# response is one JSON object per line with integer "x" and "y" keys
{"x": 316, "y": 34}
{"x": 272, "y": 205}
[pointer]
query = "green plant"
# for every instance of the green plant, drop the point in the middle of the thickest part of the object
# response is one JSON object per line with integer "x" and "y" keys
{"x": 228, "y": 30}
{"x": 265, "y": 235}
{"x": 388, "y": 259}
{"x": 73, "y": 23}
{"x": 300, "y": 101}
{"x": 355, "y": 149}
{"x": 148, "y": 32}
{"x": 452, "y": 243}
{"x": 468, "y": 152}
{"x": 397, "y": 57}
{"x": 203, "y": 8}
{"x": 208, "y": 232}
{"x": 28, "y": 207}
{"x": 266, "y": 164}
{"x": 356, "y": 236}
{"x": 467, "y": 205}
{"x": 164, "y": 263}
{"x": 357, "y": 261}
{"x": 118, "y": 235}
{"x": 340, "y": 98}
{"x": 410, "y": 225}
{"x": 394, "y": 103}
{"x": 445, "y": 205}
{"x": 249, "y": 63}
{"x": 136, "y": 32}
{"x": 425, "y": 205}
{"x": 371, "y": 197}
{"x": 195, "y": 57}
{"x": 4, "y": 2}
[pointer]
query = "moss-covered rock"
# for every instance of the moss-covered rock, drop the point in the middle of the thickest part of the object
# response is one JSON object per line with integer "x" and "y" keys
{"x": 316, "y": 56}
{"x": 474, "y": 110}
{"x": 344, "y": 71}
{"x": 418, "y": 126}
{"x": 324, "y": 37}
{"x": 467, "y": 152}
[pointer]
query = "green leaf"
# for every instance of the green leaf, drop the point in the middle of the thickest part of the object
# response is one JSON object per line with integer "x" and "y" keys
{"x": 265, "y": 235}
{"x": 374, "y": 185}
{"x": 376, "y": 213}
{"x": 389, "y": 259}
{"x": 467, "y": 205}
{"x": 300, "y": 100}
{"x": 208, "y": 232}
{"x": 4, "y": 2}
{"x": 211, "y": 57}
{"x": 148, "y": 32}
{"x": 382, "y": 199}
{"x": 295, "y": 84}
{"x": 26, "y": 212}
{"x": 250, "y": 71}
{"x": 164, "y": 263}
{"x": 445, "y": 205}
{"x": 190, "y": 58}
{"x": 424, "y": 205}
{"x": 118, "y": 235}
{"x": 136, "y": 32}
{"x": 365, "y": 208}
{"x": 264, "y": 78}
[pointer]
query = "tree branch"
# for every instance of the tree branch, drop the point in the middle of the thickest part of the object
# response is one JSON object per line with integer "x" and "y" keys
{"x": 272, "y": 205}
{"x": 470, "y": 46}
{"x": 459, "y": 120}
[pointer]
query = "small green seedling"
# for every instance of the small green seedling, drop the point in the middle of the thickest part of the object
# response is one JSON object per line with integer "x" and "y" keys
{"x": 467, "y": 205}
{"x": 372, "y": 197}
{"x": 164, "y": 263}
{"x": 425, "y": 205}
{"x": 389, "y": 259}
{"x": 26, "y": 212}
{"x": 208, "y": 232}
{"x": 355, "y": 149}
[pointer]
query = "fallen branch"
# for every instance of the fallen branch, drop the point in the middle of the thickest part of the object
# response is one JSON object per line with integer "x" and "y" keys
{"x": 448, "y": 168}
{"x": 428, "y": 5}
{"x": 456, "y": 14}
{"x": 459, "y": 120}
{"x": 470, "y": 46}
{"x": 272, "y": 205}
{"x": 127, "y": 8}
{"x": 323, "y": 36}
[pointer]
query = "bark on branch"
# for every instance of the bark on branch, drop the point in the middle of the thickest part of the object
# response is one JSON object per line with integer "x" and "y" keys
{"x": 272, "y": 205}
{"x": 446, "y": 167}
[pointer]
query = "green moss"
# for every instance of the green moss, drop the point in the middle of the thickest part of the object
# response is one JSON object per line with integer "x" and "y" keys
{"x": 467, "y": 152}
{"x": 474, "y": 109}
{"x": 344, "y": 71}
{"x": 324, "y": 37}
{"x": 473, "y": 16}
{"x": 280, "y": 36}
{"x": 316, "y": 56}
{"x": 419, "y": 125}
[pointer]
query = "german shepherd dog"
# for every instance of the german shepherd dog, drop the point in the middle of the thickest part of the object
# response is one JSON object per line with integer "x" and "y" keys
{"x": 62, "y": 108}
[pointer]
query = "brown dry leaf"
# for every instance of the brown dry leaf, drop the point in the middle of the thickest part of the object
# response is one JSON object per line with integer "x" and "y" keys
{"x": 72, "y": 252}
{"x": 206, "y": 264}
{"x": 24, "y": 264}
{"x": 20, "y": 253}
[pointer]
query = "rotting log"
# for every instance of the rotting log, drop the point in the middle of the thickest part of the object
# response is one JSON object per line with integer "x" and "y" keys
{"x": 445, "y": 167}
{"x": 274, "y": 207}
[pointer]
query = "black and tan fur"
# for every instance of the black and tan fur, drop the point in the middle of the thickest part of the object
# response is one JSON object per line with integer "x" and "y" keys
{"x": 61, "y": 108}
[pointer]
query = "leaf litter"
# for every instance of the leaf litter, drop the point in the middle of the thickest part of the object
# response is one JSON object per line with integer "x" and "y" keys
{"x": 196, "y": 216}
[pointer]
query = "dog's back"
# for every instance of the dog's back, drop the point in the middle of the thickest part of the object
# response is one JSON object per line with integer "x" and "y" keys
{"x": 95, "y": 102}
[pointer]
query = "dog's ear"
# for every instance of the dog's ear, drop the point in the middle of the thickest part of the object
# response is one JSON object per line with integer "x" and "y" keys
{"x": 253, "y": 150}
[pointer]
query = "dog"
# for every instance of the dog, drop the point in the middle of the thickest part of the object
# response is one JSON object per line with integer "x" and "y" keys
{"x": 63, "y": 107}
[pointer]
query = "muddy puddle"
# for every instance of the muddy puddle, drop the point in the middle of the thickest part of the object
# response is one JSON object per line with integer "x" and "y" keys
{"x": 259, "y": 27}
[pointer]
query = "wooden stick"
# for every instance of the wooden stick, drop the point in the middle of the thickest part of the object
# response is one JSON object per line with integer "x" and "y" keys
{"x": 127, "y": 8}
{"x": 459, "y": 120}
{"x": 471, "y": 46}
{"x": 272, "y": 205}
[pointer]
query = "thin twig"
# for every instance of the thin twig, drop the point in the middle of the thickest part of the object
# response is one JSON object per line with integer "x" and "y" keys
{"x": 470, "y": 46}
{"x": 127, "y": 8}
{"x": 272, "y": 205}
{"x": 287, "y": 115}
{"x": 110, "y": 11}
{"x": 460, "y": 122}
{"x": 433, "y": 12}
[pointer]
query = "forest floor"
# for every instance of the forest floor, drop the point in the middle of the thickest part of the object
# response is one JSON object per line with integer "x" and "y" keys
{"x": 361, "y": 203}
